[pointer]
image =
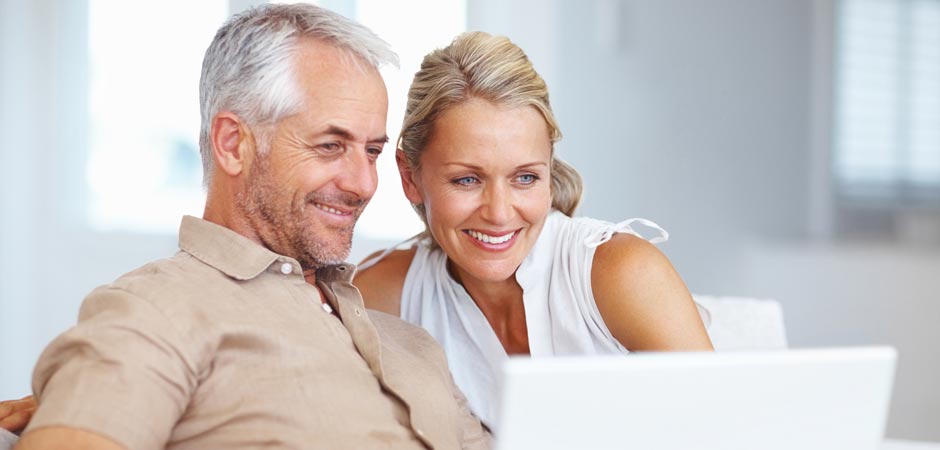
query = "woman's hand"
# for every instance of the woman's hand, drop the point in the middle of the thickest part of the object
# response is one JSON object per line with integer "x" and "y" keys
{"x": 15, "y": 414}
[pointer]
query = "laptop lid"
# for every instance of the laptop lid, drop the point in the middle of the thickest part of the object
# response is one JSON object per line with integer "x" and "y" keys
{"x": 815, "y": 399}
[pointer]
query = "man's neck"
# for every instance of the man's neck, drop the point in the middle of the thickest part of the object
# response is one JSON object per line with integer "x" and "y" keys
{"x": 311, "y": 276}
{"x": 221, "y": 209}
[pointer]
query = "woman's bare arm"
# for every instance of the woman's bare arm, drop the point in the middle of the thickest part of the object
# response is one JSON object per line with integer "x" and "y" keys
{"x": 381, "y": 284}
{"x": 643, "y": 300}
{"x": 15, "y": 414}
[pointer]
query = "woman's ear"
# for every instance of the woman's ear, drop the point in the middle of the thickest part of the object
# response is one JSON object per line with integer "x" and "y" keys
{"x": 230, "y": 140}
{"x": 409, "y": 181}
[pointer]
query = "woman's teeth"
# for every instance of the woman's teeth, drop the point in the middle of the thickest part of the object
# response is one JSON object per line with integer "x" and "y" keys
{"x": 490, "y": 239}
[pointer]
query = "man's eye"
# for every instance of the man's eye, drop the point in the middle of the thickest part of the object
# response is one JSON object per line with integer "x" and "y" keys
{"x": 330, "y": 147}
{"x": 374, "y": 152}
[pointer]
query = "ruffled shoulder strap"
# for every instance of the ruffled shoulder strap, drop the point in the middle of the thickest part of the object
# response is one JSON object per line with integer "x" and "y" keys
{"x": 604, "y": 234}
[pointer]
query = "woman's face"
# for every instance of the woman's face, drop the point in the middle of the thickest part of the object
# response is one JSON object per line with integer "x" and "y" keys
{"x": 485, "y": 182}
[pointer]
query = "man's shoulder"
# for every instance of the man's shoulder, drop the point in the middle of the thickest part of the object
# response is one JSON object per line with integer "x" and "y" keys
{"x": 387, "y": 324}
{"x": 398, "y": 333}
{"x": 179, "y": 269}
{"x": 168, "y": 284}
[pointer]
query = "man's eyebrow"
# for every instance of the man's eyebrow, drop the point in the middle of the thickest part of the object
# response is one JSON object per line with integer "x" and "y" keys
{"x": 380, "y": 140}
{"x": 347, "y": 135}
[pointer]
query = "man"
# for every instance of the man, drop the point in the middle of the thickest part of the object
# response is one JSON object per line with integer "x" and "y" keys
{"x": 252, "y": 335}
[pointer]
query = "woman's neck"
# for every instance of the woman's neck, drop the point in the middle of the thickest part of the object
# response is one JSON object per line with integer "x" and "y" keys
{"x": 501, "y": 303}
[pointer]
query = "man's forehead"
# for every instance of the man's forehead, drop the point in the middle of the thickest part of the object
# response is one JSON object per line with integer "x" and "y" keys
{"x": 343, "y": 95}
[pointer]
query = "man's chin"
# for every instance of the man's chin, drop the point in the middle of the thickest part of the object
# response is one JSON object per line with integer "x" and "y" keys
{"x": 332, "y": 260}
{"x": 321, "y": 256}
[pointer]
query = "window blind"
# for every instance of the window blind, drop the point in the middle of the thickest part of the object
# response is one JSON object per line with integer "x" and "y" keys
{"x": 887, "y": 105}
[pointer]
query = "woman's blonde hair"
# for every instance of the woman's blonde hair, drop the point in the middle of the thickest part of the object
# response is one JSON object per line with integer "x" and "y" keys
{"x": 492, "y": 68}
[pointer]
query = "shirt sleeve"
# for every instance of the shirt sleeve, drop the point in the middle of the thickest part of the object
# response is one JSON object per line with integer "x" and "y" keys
{"x": 122, "y": 372}
{"x": 473, "y": 434}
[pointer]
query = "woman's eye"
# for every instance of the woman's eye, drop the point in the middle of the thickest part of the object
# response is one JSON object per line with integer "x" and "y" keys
{"x": 527, "y": 178}
{"x": 465, "y": 181}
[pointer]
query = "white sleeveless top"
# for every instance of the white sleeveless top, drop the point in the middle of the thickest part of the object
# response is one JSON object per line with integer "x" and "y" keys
{"x": 561, "y": 315}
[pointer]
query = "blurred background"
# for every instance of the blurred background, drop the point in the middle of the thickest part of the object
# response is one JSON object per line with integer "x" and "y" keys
{"x": 791, "y": 148}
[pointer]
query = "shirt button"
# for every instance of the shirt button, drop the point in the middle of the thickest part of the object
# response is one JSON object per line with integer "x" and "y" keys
{"x": 358, "y": 311}
{"x": 286, "y": 268}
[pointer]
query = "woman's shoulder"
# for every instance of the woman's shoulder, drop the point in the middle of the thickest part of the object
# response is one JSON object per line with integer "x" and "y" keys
{"x": 629, "y": 261}
{"x": 627, "y": 248}
{"x": 381, "y": 283}
{"x": 642, "y": 299}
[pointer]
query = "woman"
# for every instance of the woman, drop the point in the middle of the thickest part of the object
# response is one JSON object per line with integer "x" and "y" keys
{"x": 502, "y": 268}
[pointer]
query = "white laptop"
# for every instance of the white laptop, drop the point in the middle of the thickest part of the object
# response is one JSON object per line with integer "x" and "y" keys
{"x": 819, "y": 399}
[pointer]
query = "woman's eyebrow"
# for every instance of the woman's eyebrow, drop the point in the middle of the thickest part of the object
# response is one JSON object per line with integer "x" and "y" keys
{"x": 477, "y": 167}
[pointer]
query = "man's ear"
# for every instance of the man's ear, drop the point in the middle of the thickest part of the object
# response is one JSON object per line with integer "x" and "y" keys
{"x": 231, "y": 143}
{"x": 408, "y": 179}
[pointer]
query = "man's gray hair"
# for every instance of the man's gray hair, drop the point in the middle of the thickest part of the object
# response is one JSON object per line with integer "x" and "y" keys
{"x": 249, "y": 68}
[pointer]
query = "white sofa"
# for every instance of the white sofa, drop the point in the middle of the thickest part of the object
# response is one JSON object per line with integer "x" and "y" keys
{"x": 739, "y": 323}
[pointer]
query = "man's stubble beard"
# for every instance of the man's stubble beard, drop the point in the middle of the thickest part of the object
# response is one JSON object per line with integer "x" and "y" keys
{"x": 285, "y": 228}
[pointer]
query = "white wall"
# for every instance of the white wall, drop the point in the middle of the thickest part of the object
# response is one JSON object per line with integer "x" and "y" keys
{"x": 856, "y": 294}
{"x": 711, "y": 118}
{"x": 49, "y": 259}
{"x": 19, "y": 123}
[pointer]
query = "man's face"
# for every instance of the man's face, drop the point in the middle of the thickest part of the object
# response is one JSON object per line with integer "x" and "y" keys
{"x": 314, "y": 171}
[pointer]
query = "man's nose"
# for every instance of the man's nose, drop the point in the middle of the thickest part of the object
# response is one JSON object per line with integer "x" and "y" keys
{"x": 359, "y": 175}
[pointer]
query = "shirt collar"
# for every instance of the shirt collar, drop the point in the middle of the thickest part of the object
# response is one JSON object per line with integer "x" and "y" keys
{"x": 240, "y": 257}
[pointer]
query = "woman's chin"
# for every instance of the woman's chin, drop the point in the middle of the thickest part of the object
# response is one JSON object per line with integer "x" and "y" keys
{"x": 488, "y": 273}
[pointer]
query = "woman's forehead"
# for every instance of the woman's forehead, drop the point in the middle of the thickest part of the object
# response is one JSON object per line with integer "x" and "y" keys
{"x": 480, "y": 129}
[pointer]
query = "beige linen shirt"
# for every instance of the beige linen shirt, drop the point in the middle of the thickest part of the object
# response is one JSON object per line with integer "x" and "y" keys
{"x": 225, "y": 345}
